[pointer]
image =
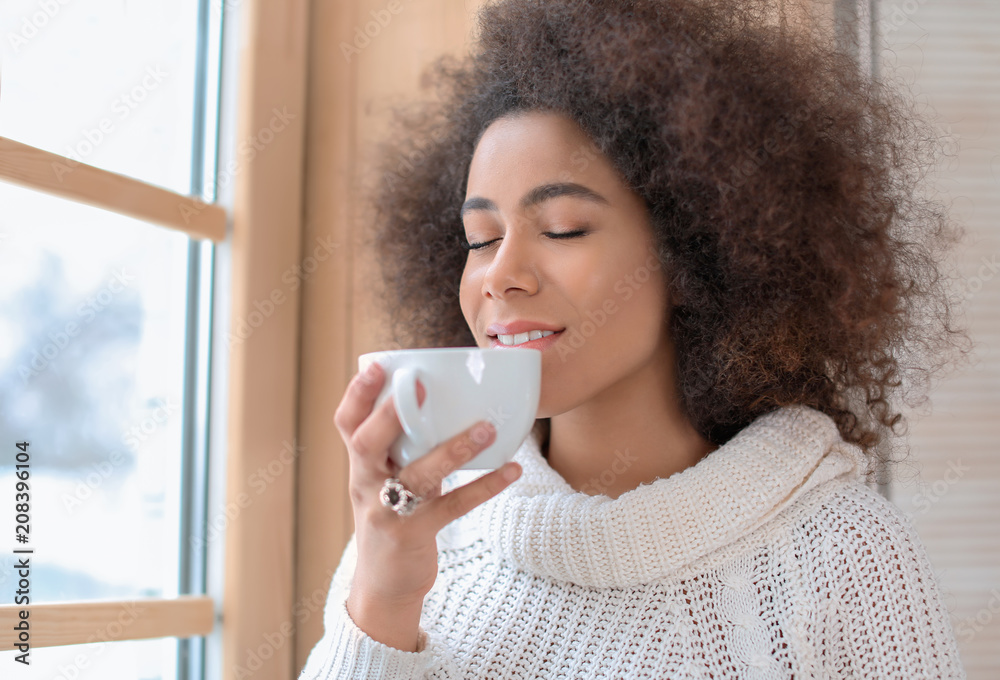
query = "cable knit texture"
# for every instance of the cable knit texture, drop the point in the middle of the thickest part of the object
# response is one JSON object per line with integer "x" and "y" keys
{"x": 768, "y": 559}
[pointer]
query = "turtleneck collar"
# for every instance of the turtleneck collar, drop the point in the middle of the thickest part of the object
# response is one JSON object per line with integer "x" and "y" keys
{"x": 545, "y": 527}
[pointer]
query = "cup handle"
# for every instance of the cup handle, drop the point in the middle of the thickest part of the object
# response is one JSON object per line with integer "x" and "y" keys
{"x": 404, "y": 396}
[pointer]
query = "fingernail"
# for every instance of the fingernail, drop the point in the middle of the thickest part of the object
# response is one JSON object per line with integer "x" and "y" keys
{"x": 372, "y": 369}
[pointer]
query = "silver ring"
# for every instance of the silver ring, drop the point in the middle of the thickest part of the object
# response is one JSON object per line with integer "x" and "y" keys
{"x": 396, "y": 496}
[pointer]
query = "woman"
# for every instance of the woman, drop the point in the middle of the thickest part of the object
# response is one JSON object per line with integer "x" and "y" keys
{"x": 712, "y": 223}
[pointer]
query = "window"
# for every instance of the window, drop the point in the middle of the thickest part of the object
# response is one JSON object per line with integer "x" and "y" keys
{"x": 224, "y": 226}
{"x": 108, "y": 122}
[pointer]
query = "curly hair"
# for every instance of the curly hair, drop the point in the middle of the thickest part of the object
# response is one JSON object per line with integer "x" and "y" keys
{"x": 781, "y": 183}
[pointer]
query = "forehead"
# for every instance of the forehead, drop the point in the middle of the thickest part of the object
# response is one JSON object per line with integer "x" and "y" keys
{"x": 550, "y": 128}
{"x": 518, "y": 152}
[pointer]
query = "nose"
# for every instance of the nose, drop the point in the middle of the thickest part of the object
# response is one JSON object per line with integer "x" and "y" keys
{"x": 512, "y": 268}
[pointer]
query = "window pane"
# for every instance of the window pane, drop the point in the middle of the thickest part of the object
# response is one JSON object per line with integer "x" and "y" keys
{"x": 131, "y": 660}
{"x": 109, "y": 83}
{"x": 92, "y": 320}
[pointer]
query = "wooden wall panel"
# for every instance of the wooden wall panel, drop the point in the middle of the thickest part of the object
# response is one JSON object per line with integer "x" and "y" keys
{"x": 948, "y": 53}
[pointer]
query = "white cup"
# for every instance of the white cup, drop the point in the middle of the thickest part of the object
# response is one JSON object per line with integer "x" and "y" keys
{"x": 464, "y": 385}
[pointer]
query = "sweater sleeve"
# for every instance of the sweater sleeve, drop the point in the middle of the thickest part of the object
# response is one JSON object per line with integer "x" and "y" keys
{"x": 884, "y": 616}
{"x": 345, "y": 652}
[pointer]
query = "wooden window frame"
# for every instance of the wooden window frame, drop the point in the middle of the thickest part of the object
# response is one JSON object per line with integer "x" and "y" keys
{"x": 33, "y": 168}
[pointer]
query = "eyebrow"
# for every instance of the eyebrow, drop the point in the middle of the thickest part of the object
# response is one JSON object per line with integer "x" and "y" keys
{"x": 537, "y": 195}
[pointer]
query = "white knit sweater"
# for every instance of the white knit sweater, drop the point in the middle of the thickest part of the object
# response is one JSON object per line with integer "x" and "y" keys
{"x": 767, "y": 559}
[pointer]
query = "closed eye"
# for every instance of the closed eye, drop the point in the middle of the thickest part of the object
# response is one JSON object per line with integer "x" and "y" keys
{"x": 566, "y": 234}
{"x": 551, "y": 234}
{"x": 477, "y": 246}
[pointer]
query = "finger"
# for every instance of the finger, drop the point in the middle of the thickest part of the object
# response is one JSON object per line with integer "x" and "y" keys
{"x": 424, "y": 475}
{"x": 458, "y": 502}
{"x": 359, "y": 398}
{"x": 373, "y": 437}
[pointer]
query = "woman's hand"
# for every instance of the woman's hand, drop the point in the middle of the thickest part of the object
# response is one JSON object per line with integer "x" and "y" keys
{"x": 397, "y": 556}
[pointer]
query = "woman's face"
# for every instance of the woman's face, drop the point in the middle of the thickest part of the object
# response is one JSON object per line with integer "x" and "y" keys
{"x": 568, "y": 248}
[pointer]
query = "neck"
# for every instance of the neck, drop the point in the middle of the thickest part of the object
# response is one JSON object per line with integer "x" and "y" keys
{"x": 630, "y": 434}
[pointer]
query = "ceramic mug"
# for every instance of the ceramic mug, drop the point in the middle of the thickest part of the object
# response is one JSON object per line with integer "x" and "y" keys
{"x": 464, "y": 385}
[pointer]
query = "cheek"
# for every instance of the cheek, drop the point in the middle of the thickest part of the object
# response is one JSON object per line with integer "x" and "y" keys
{"x": 596, "y": 282}
{"x": 645, "y": 310}
{"x": 626, "y": 300}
